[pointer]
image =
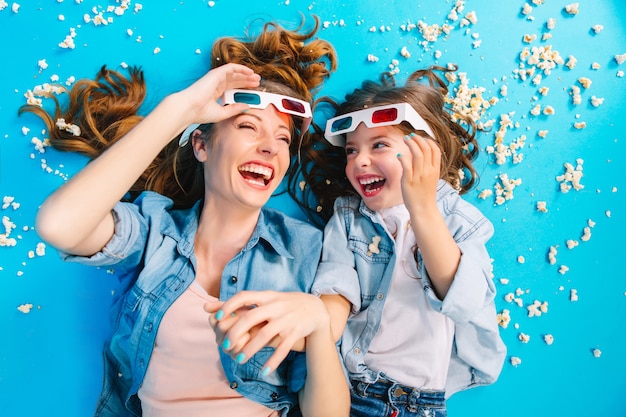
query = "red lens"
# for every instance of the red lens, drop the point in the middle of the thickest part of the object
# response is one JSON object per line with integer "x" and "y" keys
{"x": 293, "y": 106}
{"x": 386, "y": 115}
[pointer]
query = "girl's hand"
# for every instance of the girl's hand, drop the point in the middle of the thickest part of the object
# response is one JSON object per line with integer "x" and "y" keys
{"x": 203, "y": 94}
{"x": 267, "y": 318}
{"x": 421, "y": 171}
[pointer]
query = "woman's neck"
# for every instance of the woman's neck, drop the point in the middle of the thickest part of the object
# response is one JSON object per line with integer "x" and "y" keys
{"x": 221, "y": 234}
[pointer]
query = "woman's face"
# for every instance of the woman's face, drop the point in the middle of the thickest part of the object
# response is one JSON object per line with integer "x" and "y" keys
{"x": 372, "y": 165}
{"x": 247, "y": 157}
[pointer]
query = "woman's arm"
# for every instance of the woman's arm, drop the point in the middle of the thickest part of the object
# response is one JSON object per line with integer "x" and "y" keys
{"x": 77, "y": 217}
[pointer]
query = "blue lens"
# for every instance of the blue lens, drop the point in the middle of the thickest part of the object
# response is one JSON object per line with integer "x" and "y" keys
{"x": 247, "y": 98}
{"x": 341, "y": 124}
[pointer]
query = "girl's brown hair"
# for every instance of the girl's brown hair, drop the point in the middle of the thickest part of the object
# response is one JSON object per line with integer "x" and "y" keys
{"x": 323, "y": 167}
{"x": 105, "y": 108}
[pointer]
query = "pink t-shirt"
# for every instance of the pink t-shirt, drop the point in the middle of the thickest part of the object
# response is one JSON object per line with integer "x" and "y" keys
{"x": 185, "y": 375}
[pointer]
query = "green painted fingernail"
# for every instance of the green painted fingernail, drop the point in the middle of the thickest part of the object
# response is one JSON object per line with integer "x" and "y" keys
{"x": 399, "y": 155}
{"x": 266, "y": 371}
{"x": 240, "y": 358}
{"x": 226, "y": 344}
{"x": 219, "y": 315}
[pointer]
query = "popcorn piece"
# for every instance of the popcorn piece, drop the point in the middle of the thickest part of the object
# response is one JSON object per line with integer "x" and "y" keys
{"x": 5, "y": 240}
{"x": 523, "y": 337}
{"x": 537, "y": 308}
{"x": 585, "y": 82}
{"x": 548, "y": 110}
{"x": 549, "y": 339}
{"x": 597, "y": 28}
{"x": 596, "y": 353}
{"x": 372, "y": 58}
{"x": 515, "y": 361}
{"x": 552, "y": 255}
{"x": 68, "y": 127}
{"x": 620, "y": 58}
{"x": 580, "y": 125}
{"x": 504, "y": 318}
{"x": 573, "y": 295}
{"x": 25, "y": 308}
{"x": 595, "y": 66}
{"x": 551, "y": 23}
{"x": 541, "y": 206}
{"x": 572, "y": 8}
{"x": 521, "y": 259}
{"x": 563, "y": 269}
{"x": 405, "y": 52}
{"x": 596, "y": 101}
{"x": 571, "y": 244}
{"x": 586, "y": 234}
{"x": 543, "y": 133}
{"x": 504, "y": 190}
{"x": 571, "y": 62}
{"x": 373, "y": 247}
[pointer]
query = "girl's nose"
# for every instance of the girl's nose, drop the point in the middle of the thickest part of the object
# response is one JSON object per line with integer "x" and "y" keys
{"x": 362, "y": 159}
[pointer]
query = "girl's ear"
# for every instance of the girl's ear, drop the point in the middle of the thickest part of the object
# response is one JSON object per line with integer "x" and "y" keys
{"x": 200, "y": 147}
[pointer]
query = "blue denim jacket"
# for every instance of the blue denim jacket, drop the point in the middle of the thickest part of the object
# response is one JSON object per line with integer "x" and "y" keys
{"x": 349, "y": 268}
{"x": 153, "y": 253}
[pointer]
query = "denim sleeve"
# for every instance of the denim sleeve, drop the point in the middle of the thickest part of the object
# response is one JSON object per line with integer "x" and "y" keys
{"x": 336, "y": 273}
{"x": 472, "y": 289}
{"x": 126, "y": 247}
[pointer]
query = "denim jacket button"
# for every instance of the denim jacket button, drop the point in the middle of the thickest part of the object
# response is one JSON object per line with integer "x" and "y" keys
{"x": 380, "y": 296}
{"x": 233, "y": 385}
{"x": 274, "y": 396}
{"x": 233, "y": 279}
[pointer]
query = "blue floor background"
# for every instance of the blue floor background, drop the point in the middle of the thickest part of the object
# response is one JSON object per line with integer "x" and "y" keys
{"x": 50, "y": 357}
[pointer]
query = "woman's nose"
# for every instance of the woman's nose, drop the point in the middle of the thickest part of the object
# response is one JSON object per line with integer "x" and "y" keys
{"x": 267, "y": 144}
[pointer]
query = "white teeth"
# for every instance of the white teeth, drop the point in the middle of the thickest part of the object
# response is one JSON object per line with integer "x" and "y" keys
{"x": 258, "y": 169}
{"x": 370, "y": 180}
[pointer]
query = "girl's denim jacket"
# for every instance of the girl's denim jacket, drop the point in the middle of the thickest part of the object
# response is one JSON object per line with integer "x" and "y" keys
{"x": 360, "y": 269}
{"x": 152, "y": 252}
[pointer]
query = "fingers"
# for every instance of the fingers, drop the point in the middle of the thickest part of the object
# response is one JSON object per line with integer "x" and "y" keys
{"x": 425, "y": 153}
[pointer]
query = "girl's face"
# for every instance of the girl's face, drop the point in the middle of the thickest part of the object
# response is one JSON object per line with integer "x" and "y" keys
{"x": 247, "y": 158}
{"x": 373, "y": 167}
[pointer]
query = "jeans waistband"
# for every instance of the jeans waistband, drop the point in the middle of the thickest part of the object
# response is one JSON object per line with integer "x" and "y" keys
{"x": 393, "y": 390}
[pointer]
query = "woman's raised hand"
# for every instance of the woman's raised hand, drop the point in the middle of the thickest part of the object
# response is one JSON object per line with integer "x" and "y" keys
{"x": 203, "y": 94}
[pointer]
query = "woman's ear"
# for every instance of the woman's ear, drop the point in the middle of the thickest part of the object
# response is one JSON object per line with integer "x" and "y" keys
{"x": 200, "y": 146}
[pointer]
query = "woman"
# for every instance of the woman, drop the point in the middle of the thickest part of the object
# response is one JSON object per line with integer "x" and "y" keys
{"x": 204, "y": 234}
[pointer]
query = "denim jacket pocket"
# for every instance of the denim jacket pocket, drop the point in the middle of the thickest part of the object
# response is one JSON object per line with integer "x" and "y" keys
{"x": 372, "y": 259}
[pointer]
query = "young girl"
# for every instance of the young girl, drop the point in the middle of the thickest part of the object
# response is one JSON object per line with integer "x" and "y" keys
{"x": 201, "y": 232}
{"x": 407, "y": 251}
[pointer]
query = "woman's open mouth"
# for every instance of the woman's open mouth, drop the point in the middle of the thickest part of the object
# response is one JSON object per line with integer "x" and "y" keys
{"x": 259, "y": 175}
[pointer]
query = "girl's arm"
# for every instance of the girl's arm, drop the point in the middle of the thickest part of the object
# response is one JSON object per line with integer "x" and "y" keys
{"x": 77, "y": 217}
{"x": 440, "y": 253}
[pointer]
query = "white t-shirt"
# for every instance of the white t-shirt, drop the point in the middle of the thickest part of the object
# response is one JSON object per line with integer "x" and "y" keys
{"x": 414, "y": 342}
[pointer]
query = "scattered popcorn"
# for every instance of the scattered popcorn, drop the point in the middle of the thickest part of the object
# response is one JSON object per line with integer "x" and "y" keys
{"x": 211, "y": 3}
{"x": 549, "y": 339}
{"x": 595, "y": 66}
{"x": 580, "y": 125}
{"x": 563, "y": 269}
{"x": 571, "y": 62}
{"x": 572, "y": 8}
{"x": 548, "y": 110}
{"x": 156, "y": 50}
{"x": 373, "y": 247}
{"x": 596, "y": 353}
{"x": 25, "y": 308}
{"x": 585, "y": 82}
{"x": 551, "y": 23}
{"x": 405, "y": 52}
{"x": 515, "y": 361}
{"x": 620, "y": 58}
{"x": 607, "y": 213}
{"x": 537, "y": 308}
{"x": 542, "y": 133}
{"x": 504, "y": 318}
{"x": 302, "y": 185}
{"x": 571, "y": 244}
{"x": 523, "y": 337}
{"x": 571, "y": 178}
{"x": 552, "y": 255}
{"x": 68, "y": 127}
{"x": 586, "y": 234}
{"x": 8, "y": 225}
{"x": 597, "y": 28}
{"x": 504, "y": 190}
{"x": 372, "y": 58}
{"x": 596, "y": 101}
{"x": 573, "y": 295}
{"x": 542, "y": 206}
{"x": 485, "y": 193}
{"x": 521, "y": 259}
{"x": 41, "y": 249}
{"x": 504, "y": 281}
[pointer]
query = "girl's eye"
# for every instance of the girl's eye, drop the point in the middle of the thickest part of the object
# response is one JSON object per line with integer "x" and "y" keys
{"x": 379, "y": 145}
{"x": 350, "y": 151}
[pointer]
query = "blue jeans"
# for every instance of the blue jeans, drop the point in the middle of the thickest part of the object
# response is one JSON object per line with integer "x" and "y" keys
{"x": 389, "y": 399}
